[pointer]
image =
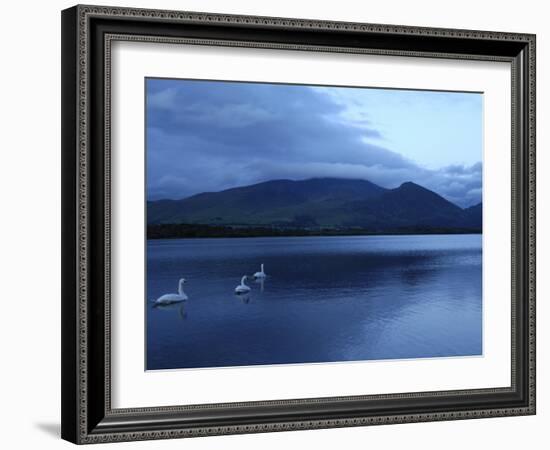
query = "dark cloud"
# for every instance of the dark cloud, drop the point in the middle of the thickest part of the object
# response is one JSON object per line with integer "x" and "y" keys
{"x": 208, "y": 136}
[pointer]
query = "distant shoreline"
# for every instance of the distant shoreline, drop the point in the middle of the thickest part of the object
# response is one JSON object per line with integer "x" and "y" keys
{"x": 180, "y": 231}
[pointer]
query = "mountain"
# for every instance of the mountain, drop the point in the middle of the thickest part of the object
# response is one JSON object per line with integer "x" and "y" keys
{"x": 317, "y": 202}
{"x": 271, "y": 202}
{"x": 409, "y": 205}
{"x": 473, "y": 216}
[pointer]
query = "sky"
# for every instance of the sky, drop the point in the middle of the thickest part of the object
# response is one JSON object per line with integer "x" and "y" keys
{"x": 206, "y": 136}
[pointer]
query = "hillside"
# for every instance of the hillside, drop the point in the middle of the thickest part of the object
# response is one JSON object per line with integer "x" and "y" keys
{"x": 329, "y": 203}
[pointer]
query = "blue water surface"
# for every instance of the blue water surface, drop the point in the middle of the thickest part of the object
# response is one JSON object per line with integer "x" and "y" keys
{"x": 325, "y": 299}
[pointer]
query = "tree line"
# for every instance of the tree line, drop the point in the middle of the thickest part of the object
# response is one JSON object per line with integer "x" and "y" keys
{"x": 182, "y": 230}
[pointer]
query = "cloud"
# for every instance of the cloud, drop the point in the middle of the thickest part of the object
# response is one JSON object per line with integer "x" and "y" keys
{"x": 459, "y": 184}
{"x": 164, "y": 99}
{"x": 209, "y": 136}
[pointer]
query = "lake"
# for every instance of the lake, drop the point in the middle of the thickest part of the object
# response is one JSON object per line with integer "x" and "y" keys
{"x": 325, "y": 299}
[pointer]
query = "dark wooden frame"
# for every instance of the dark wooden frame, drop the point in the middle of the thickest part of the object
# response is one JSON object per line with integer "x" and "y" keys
{"x": 87, "y": 32}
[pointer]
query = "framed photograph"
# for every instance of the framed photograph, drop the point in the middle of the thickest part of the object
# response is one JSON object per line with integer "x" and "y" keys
{"x": 277, "y": 224}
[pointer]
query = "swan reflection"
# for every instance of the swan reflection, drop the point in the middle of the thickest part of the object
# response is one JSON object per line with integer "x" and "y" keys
{"x": 245, "y": 298}
{"x": 179, "y": 307}
{"x": 260, "y": 281}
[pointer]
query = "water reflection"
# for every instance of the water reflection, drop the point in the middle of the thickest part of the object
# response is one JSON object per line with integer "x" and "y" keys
{"x": 417, "y": 276}
{"x": 260, "y": 281}
{"x": 328, "y": 299}
{"x": 244, "y": 298}
{"x": 179, "y": 308}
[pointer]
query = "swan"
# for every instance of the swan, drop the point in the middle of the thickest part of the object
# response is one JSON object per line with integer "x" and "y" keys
{"x": 168, "y": 299}
{"x": 242, "y": 288}
{"x": 260, "y": 274}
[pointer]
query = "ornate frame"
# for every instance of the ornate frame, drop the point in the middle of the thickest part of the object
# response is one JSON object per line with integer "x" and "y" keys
{"x": 87, "y": 34}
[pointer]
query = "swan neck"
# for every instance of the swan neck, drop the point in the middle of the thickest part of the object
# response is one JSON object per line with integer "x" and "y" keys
{"x": 262, "y": 268}
{"x": 180, "y": 289}
{"x": 242, "y": 280}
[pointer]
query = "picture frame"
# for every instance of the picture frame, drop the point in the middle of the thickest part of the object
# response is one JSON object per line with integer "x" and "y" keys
{"x": 88, "y": 33}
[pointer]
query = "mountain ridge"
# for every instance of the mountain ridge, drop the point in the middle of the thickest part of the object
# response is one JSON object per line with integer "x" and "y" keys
{"x": 333, "y": 203}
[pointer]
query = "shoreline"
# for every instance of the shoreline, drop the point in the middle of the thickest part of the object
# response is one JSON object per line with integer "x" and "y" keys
{"x": 186, "y": 231}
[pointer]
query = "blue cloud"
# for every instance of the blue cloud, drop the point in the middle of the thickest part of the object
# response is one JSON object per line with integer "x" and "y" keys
{"x": 209, "y": 136}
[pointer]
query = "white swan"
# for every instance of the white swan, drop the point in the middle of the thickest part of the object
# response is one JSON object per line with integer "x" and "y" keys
{"x": 260, "y": 274}
{"x": 168, "y": 299}
{"x": 242, "y": 288}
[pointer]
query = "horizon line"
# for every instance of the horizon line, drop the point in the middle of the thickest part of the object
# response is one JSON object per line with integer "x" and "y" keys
{"x": 309, "y": 179}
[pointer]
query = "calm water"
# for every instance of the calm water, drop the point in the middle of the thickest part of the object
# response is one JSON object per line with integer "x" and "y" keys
{"x": 325, "y": 299}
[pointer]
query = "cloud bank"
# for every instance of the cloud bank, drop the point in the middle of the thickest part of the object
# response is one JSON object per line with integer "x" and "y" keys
{"x": 208, "y": 136}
